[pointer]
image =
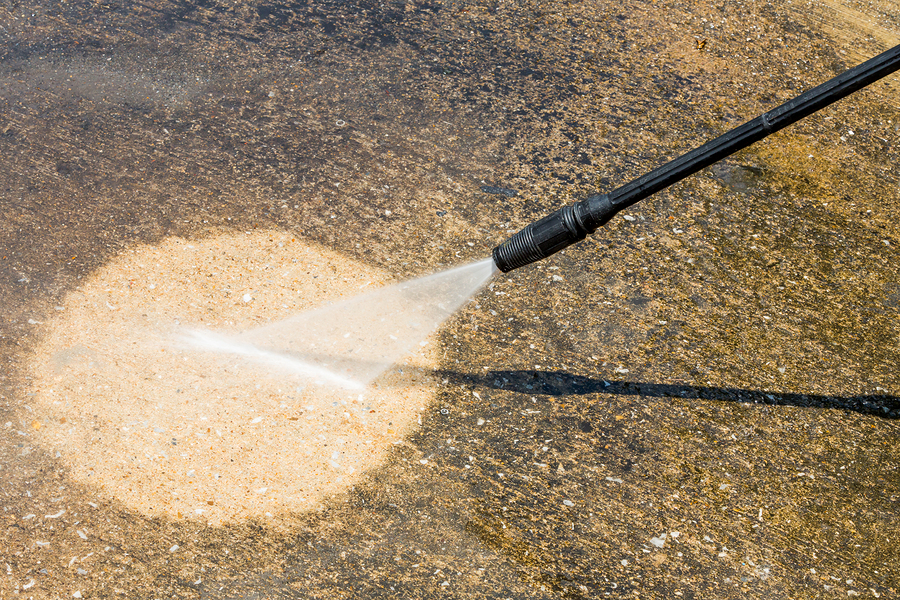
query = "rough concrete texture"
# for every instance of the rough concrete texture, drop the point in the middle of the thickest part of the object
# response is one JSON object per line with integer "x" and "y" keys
{"x": 700, "y": 401}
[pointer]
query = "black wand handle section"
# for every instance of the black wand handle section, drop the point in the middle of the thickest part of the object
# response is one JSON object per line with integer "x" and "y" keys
{"x": 572, "y": 224}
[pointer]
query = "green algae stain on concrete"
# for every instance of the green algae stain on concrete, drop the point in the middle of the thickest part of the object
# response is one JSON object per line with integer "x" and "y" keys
{"x": 534, "y": 566}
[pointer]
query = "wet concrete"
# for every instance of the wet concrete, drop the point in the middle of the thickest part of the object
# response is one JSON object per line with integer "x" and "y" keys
{"x": 720, "y": 365}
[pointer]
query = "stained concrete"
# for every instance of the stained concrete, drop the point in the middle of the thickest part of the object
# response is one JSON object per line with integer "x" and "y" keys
{"x": 720, "y": 365}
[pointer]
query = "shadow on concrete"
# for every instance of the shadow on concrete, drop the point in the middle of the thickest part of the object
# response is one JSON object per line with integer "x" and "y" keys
{"x": 561, "y": 383}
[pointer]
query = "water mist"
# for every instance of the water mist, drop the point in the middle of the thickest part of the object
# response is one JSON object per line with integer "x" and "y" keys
{"x": 350, "y": 343}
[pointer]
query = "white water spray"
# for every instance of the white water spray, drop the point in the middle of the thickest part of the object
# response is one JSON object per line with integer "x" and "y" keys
{"x": 350, "y": 343}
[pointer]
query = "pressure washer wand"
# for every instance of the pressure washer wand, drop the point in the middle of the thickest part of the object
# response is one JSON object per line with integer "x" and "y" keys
{"x": 573, "y": 223}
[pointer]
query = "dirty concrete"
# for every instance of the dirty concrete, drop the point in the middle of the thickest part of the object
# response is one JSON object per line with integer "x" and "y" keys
{"x": 700, "y": 401}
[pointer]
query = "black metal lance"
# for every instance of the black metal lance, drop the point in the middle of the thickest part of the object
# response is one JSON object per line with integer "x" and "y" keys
{"x": 573, "y": 223}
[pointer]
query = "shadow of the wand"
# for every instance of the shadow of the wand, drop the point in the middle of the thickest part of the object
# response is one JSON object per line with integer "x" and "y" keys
{"x": 561, "y": 383}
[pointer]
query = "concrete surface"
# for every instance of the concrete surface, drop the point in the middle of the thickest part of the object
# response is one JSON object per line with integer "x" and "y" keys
{"x": 701, "y": 401}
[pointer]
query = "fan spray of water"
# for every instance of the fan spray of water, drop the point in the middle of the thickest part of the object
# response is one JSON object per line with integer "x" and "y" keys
{"x": 350, "y": 343}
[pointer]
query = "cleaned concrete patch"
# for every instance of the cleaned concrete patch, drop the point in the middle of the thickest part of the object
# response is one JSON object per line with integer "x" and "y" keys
{"x": 142, "y": 416}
